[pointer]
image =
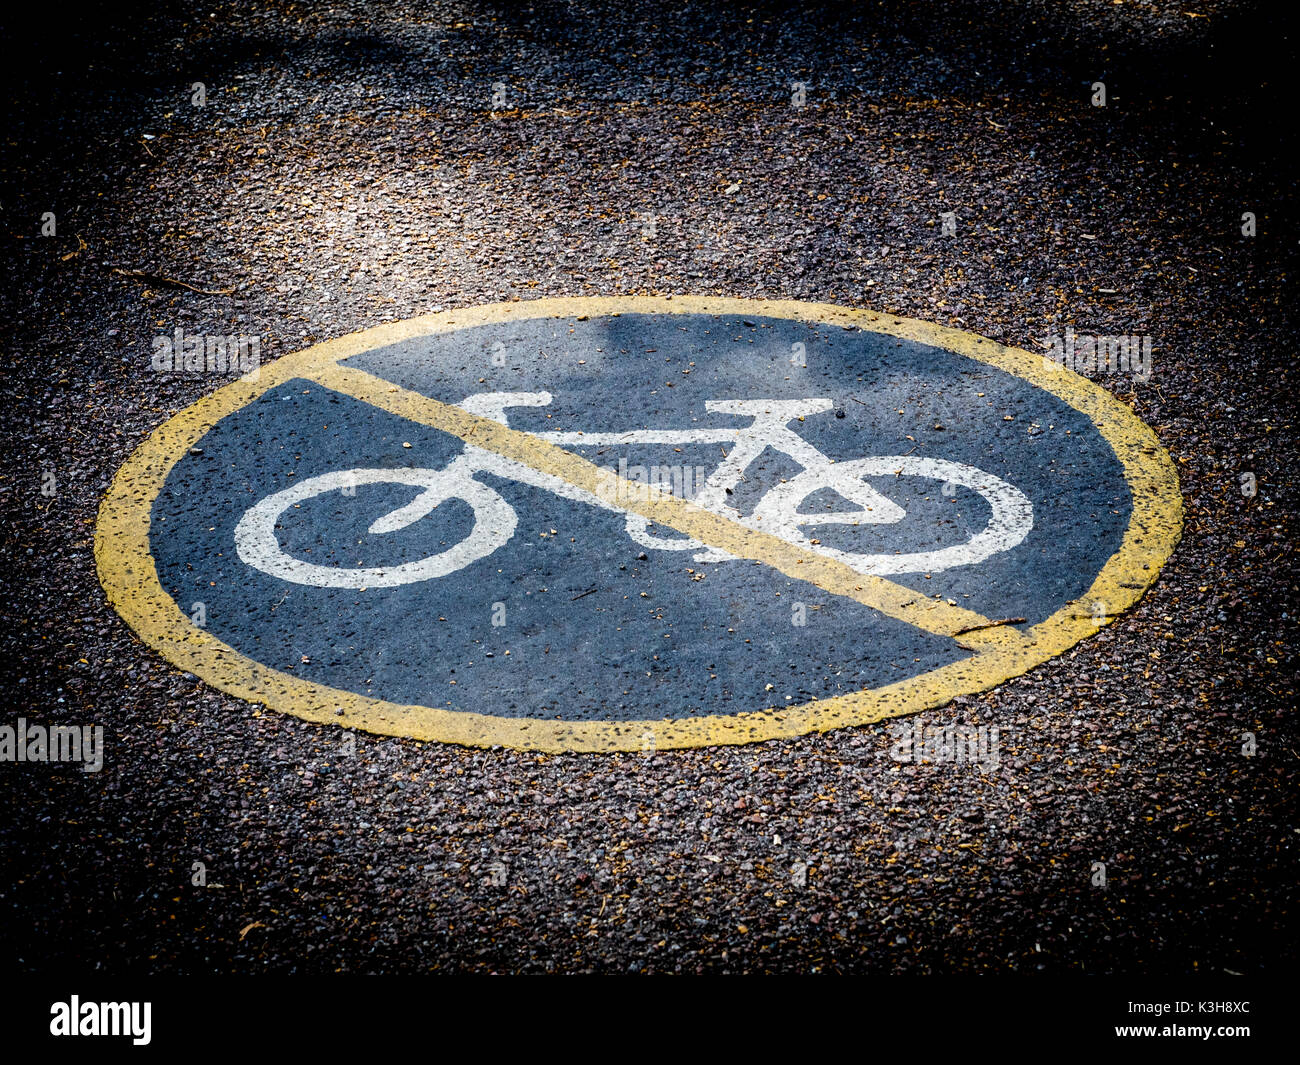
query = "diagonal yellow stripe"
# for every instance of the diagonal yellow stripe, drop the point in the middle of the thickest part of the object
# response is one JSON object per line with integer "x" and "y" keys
{"x": 799, "y": 562}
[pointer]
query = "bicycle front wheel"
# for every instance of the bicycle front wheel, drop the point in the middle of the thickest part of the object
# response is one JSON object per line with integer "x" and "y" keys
{"x": 1010, "y": 520}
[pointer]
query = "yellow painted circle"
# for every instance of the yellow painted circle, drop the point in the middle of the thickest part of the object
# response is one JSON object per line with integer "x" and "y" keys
{"x": 127, "y": 571}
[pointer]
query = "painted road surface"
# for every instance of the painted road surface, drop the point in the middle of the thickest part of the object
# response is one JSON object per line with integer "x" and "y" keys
{"x": 634, "y": 524}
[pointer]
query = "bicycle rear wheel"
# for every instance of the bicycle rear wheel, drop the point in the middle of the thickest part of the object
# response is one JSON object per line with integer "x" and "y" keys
{"x": 494, "y": 523}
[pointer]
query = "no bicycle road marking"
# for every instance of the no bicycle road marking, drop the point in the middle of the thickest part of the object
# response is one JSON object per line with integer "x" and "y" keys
{"x": 631, "y": 523}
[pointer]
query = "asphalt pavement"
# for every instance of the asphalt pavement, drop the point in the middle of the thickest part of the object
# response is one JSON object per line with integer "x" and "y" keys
{"x": 297, "y": 174}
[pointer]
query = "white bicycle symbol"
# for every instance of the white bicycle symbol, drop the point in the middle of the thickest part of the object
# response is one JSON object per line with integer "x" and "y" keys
{"x": 777, "y": 512}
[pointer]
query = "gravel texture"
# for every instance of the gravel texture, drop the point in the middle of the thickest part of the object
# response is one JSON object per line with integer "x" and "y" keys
{"x": 349, "y": 169}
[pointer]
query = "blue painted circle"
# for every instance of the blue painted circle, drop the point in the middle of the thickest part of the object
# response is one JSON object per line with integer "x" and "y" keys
{"x": 591, "y": 624}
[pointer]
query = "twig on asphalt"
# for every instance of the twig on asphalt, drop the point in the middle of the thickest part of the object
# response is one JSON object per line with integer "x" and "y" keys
{"x": 171, "y": 282}
{"x": 989, "y": 625}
